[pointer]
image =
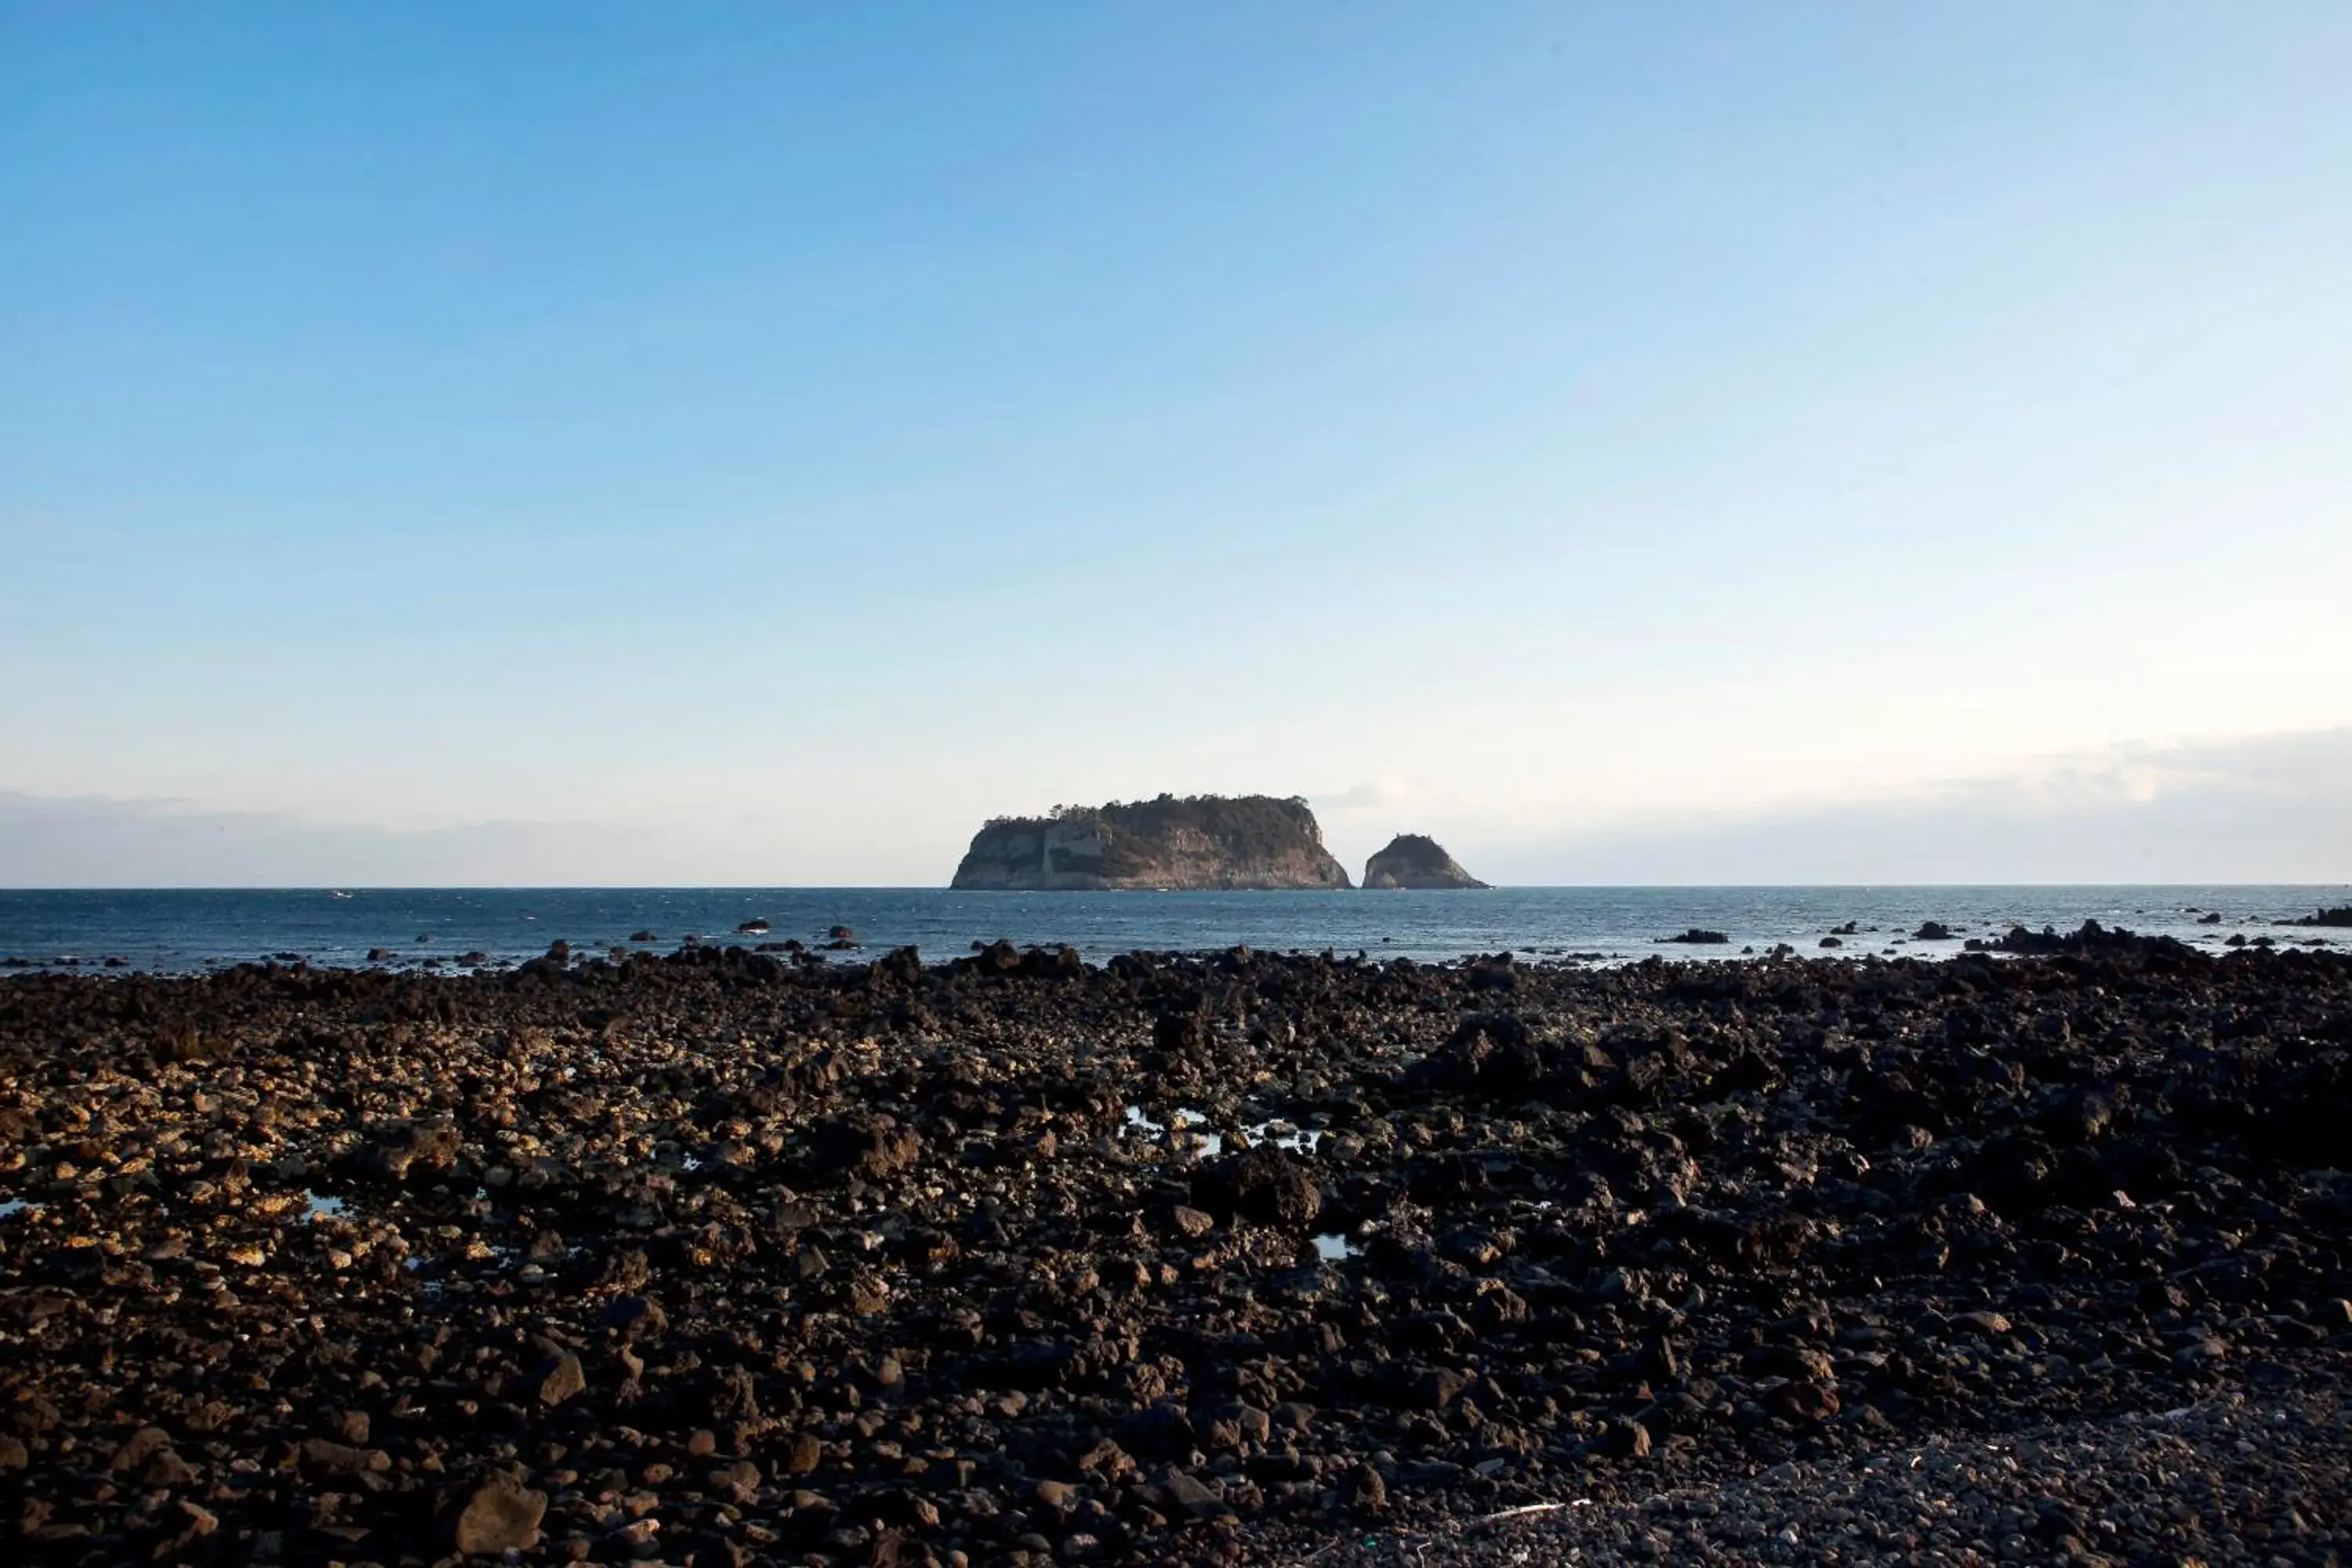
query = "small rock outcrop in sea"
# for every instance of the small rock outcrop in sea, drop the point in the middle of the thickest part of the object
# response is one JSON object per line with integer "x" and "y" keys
{"x": 1416, "y": 861}
{"x": 2341, "y": 915}
{"x": 1197, "y": 841}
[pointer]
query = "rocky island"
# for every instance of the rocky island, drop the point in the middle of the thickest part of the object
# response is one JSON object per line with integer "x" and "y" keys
{"x": 1416, "y": 861}
{"x": 1192, "y": 842}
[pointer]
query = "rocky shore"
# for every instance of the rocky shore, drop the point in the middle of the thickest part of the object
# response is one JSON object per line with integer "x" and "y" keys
{"x": 726, "y": 1257}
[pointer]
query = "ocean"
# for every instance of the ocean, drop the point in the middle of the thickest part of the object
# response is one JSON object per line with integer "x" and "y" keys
{"x": 186, "y": 931}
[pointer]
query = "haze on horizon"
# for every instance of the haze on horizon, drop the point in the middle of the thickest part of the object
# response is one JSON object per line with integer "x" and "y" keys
{"x": 591, "y": 444}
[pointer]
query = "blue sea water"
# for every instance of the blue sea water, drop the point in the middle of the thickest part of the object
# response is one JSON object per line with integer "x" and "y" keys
{"x": 194, "y": 930}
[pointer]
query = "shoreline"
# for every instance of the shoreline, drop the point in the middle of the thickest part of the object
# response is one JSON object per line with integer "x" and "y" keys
{"x": 2017, "y": 944}
{"x": 191, "y": 931}
{"x": 1234, "y": 1256}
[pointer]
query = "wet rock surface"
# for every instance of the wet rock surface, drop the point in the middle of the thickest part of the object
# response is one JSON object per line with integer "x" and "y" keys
{"x": 726, "y": 1258}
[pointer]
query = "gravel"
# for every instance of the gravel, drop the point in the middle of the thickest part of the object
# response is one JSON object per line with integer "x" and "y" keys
{"x": 2235, "y": 1479}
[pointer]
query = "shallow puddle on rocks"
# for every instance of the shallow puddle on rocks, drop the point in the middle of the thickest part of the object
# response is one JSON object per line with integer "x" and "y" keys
{"x": 322, "y": 1207}
{"x": 1283, "y": 1135}
{"x": 18, "y": 1206}
{"x": 1187, "y": 1120}
{"x": 1331, "y": 1246}
{"x": 1274, "y": 1131}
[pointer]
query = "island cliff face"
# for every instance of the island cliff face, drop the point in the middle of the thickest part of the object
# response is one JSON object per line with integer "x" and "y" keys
{"x": 1199, "y": 841}
{"x": 1416, "y": 861}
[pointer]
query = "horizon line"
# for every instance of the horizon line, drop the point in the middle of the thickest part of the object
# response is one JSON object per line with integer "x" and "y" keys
{"x": 356, "y": 888}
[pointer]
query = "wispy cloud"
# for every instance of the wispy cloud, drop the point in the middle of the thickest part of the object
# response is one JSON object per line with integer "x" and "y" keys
{"x": 2263, "y": 808}
{"x": 1371, "y": 795}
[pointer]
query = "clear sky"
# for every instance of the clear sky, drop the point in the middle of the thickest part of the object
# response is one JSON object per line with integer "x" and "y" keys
{"x": 792, "y": 433}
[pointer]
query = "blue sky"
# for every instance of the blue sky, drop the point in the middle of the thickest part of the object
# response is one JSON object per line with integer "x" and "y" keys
{"x": 799, "y": 432}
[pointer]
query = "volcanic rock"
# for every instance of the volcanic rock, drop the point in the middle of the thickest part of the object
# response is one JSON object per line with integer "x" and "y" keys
{"x": 1913, "y": 1258}
{"x": 498, "y": 1516}
{"x": 1199, "y": 841}
{"x": 1261, "y": 1186}
{"x": 1413, "y": 860}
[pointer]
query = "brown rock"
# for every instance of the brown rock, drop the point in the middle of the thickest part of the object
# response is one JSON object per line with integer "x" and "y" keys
{"x": 321, "y": 1454}
{"x": 1627, "y": 1440}
{"x": 1194, "y": 1496}
{"x": 558, "y": 1380}
{"x": 1438, "y": 1388}
{"x": 138, "y": 1449}
{"x": 499, "y": 1515}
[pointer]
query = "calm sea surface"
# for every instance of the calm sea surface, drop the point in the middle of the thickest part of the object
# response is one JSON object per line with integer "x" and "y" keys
{"x": 195, "y": 929}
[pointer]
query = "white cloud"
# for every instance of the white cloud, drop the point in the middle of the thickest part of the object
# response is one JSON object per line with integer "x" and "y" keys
{"x": 1371, "y": 795}
{"x": 2268, "y": 808}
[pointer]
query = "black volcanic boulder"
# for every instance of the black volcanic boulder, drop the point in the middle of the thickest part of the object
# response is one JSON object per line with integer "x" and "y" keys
{"x": 2093, "y": 940}
{"x": 998, "y": 957}
{"x": 425, "y": 1145}
{"x": 861, "y": 1145}
{"x": 901, "y": 965}
{"x": 1061, "y": 963}
{"x": 1261, "y": 1186}
{"x": 1489, "y": 1054}
{"x": 1182, "y": 1032}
